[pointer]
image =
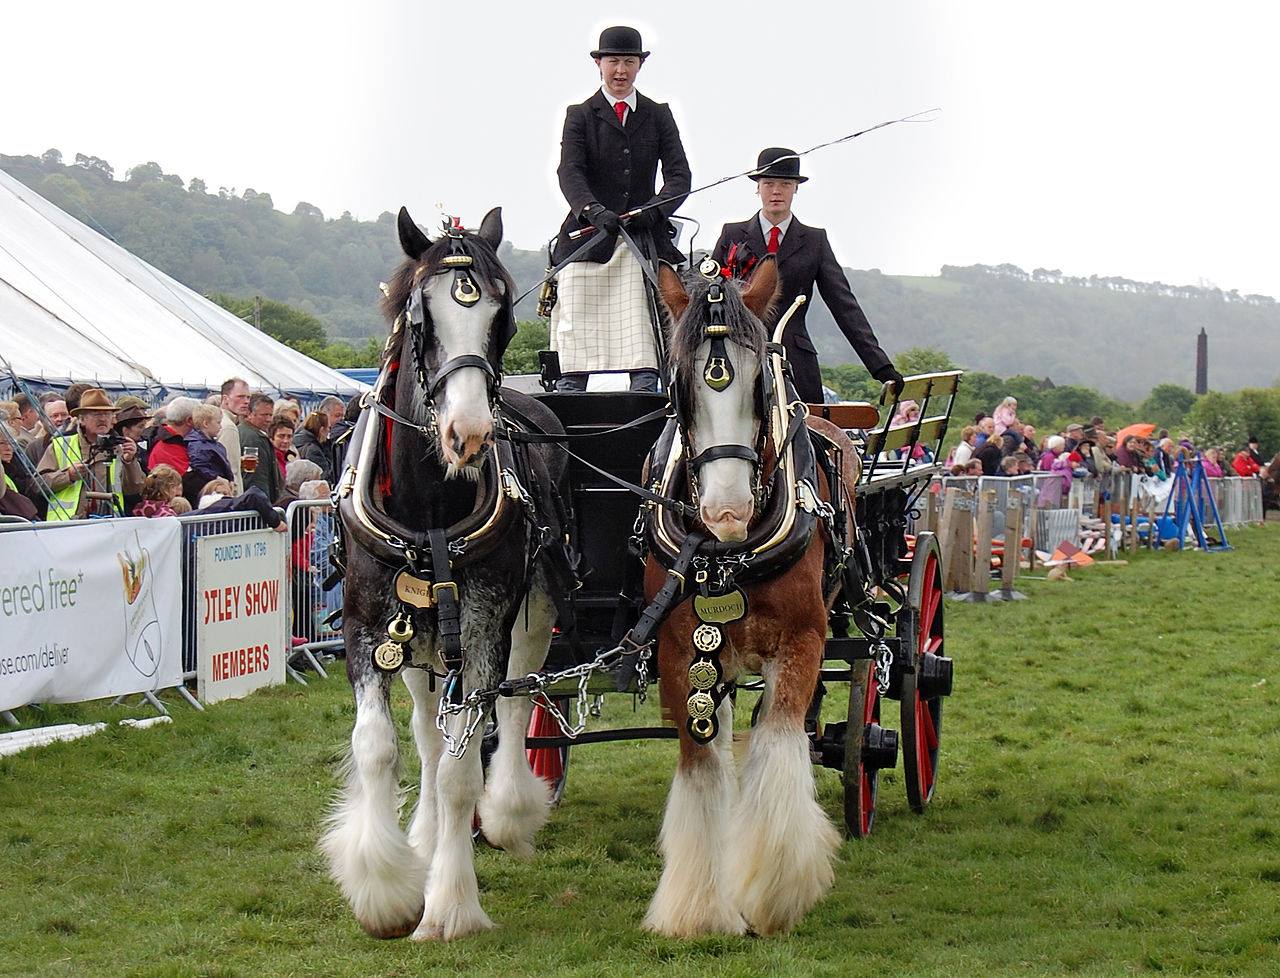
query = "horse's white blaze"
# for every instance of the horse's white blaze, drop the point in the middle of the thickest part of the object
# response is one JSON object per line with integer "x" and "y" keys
{"x": 726, "y": 418}
{"x": 784, "y": 843}
{"x": 422, "y": 828}
{"x": 516, "y": 802}
{"x": 379, "y": 873}
{"x": 452, "y": 907}
{"x": 463, "y": 413}
{"x": 695, "y": 894}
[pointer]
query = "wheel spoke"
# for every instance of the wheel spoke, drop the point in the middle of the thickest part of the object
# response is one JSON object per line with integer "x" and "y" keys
{"x": 923, "y": 761}
{"x": 929, "y": 608}
{"x": 868, "y": 802}
{"x": 927, "y": 727}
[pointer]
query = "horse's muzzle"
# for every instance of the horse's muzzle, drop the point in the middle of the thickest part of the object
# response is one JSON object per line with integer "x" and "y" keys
{"x": 728, "y": 524}
{"x": 463, "y": 441}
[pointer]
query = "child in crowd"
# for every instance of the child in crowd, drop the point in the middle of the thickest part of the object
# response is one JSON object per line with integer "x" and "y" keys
{"x": 162, "y": 485}
{"x": 207, "y": 455}
{"x": 1005, "y": 415}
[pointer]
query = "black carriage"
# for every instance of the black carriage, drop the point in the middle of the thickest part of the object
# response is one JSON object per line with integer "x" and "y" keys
{"x": 886, "y": 643}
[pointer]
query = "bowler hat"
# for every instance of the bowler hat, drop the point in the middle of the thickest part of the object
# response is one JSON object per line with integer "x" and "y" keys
{"x": 778, "y": 163}
{"x": 620, "y": 40}
{"x": 94, "y": 399}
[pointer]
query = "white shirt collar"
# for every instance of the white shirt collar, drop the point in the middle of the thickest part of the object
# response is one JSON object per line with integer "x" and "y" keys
{"x": 765, "y": 225}
{"x": 630, "y": 99}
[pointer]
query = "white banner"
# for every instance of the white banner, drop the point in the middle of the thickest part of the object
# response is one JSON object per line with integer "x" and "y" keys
{"x": 89, "y": 610}
{"x": 242, "y": 626}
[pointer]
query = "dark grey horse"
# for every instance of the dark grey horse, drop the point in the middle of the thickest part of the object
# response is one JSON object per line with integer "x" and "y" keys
{"x": 439, "y": 467}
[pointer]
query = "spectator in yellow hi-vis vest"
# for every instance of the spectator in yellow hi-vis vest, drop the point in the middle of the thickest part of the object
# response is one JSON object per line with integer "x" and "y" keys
{"x": 89, "y": 470}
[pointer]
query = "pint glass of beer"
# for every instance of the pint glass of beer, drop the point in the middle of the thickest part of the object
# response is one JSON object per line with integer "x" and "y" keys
{"x": 249, "y": 460}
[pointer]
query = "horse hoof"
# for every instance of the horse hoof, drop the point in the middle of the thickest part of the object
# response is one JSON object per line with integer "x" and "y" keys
{"x": 395, "y": 931}
{"x": 454, "y": 924}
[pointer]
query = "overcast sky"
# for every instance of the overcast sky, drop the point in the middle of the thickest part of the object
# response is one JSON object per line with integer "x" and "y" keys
{"x": 1118, "y": 138}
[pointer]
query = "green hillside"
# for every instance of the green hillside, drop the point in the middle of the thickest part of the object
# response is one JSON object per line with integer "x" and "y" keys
{"x": 1110, "y": 334}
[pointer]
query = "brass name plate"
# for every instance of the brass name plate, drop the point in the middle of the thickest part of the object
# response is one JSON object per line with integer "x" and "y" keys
{"x": 720, "y": 609}
{"x": 413, "y": 590}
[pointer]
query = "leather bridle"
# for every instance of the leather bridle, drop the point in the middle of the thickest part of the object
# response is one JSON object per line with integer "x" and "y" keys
{"x": 718, "y": 374}
{"x": 466, "y": 292}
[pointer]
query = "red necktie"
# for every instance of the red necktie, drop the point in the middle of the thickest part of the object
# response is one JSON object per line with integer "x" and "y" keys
{"x": 774, "y": 235}
{"x": 621, "y": 109}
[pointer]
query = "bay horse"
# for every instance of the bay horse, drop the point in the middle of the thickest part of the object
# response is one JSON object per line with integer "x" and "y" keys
{"x": 441, "y": 521}
{"x": 753, "y": 852}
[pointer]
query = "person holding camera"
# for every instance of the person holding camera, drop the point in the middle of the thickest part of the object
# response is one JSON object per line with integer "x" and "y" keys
{"x": 89, "y": 469}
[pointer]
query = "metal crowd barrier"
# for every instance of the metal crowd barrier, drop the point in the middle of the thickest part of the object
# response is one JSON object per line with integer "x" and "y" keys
{"x": 1239, "y": 499}
{"x": 314, "y": 609}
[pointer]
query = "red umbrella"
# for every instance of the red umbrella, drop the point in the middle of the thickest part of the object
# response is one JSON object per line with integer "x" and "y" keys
{"x": 1139, "y": 430}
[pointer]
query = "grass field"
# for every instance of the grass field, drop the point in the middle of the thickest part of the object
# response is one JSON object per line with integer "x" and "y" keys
{"x": 1108, "y": 805}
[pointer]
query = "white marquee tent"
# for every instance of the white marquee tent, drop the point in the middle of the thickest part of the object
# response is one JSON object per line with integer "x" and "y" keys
{"x": 75, "y": 306}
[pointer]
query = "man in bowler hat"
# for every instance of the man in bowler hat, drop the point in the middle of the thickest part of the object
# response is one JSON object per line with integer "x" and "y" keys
{"x": 804, "y": 259}
{"x": 612, "y": 146}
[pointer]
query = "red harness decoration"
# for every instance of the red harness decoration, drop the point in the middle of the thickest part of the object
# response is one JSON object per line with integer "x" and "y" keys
{"x": 384, "y": 479}
{"x": 730, "y": 268}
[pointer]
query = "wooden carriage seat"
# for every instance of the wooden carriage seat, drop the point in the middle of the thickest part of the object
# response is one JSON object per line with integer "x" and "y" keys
{"x": 856, "y": 414}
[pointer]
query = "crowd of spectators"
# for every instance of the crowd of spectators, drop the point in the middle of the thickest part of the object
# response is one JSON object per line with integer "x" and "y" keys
{"x": 78, "y": 454}
{"x": 1002, "y": 444}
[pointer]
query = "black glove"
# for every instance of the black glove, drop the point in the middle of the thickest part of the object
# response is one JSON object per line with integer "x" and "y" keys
{"x": 889, "y": 373}
{"x": 601, "y": 217}
{"x": 653, "y": 219}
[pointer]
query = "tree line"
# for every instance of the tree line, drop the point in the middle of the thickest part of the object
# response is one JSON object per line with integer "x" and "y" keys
{"x": 1109, "y": 334}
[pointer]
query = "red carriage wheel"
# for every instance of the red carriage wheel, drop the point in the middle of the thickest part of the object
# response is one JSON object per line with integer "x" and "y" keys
{"x": 925, "y": 671}
{"x": 551, "y": 764}
{"x": 868, "y": 748}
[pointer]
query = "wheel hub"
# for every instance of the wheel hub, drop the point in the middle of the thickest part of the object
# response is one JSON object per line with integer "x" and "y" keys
{"x": 879, "y": 747}
{"x": 935, "y": 676}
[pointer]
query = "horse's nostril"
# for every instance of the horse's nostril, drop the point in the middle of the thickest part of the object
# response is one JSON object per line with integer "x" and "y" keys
{"x": 458, "y": 445}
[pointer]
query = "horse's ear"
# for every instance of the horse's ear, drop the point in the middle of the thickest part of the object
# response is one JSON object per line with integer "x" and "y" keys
{"x": 412, "y": 240}
{"x": 764, "y": 287}
{"x": 491, "y": 228}
{"x": 672, "y": 291}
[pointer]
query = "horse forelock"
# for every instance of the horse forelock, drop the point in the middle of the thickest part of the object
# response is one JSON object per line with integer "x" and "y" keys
{"x": 688, "y": 335}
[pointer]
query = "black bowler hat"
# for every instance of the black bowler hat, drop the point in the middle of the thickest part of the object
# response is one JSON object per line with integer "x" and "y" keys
{"x": 620, "y": 40}
{"x": 779, "y": 163}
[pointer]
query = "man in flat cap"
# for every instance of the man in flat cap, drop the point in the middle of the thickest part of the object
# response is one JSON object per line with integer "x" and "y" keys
{"x": 88, "y": 469}
{"x": 612, "y": 146}
{"x": 804, "y": 259}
